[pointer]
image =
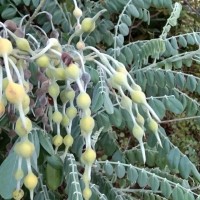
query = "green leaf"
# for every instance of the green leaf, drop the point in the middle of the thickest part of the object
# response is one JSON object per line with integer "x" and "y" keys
{"x": 173, "y": 158}
{"x": 133, "y": 11}
{"x": 126, "y": 19}
{"x": 150, "y": 77}
{"x": 191, "y": 83}
{"x": 189, "y": 195}
{"x": 165, "y": 188}
{"x": 192, "y": 107}
{"x": 154, "y": 183}
{"x": 8, "y": 13}
{"x": 108, "y": 168}
{"x": 108, "y": 105}
{"x": 27, "y": 2}
{"x": 132, "y": 174}
{"x": 180, "y": 80}
{"x": 45, "y": 141}
{"x": 35, "y": 3}
{"x": 185, "y": 167}
{"x": 55, "y": 161}
{"x": 170, "y": 78}
{"x": 182, "y": 41}
{"x": 157, "y": 106}
{"x": 173, "y": 105}
{"x": 160, "y": 78}
{"x": 116, "y": 117}
{"x": 123, "y": 29}
{"x": 57, "y": 17}
{"x": 120, "y": 170}
{"x": 142, "y": 178}
{"x": 177, "y": 193}
{"x": 128, "y": 54}
{"x": 190, "y": 39}
{"x": 174, "y": 43}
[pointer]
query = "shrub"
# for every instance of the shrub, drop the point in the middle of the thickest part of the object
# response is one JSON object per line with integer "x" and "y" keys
{"x": 77, "y": 89}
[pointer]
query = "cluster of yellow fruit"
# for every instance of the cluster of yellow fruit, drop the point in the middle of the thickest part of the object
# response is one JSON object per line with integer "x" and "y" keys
{"x": 16, "y": 95}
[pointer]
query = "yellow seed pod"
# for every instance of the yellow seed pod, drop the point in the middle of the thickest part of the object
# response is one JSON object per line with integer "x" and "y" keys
{"x": 138, "y": 132}
{"x": 23, "y": 44}
{"x": 83, "y": 100}
{"x": 67, "y": 95}
{"x": 5, "y": 83}
{"x": 18, "y": 194}
{"x": 136, "y": 87}
{"x": 87, "y": 193}
{"x": 20, "y": 129}
{"x": 26, "y": 101}
{"x": 119, "y": 78}
{"x": 26, "y": 110}
{"x": 30, "y": 181}
{"x": 153, "y": 125}
{"x": 121, "y": 68}
{"x": 140, "y": 119}
{"x": 2, "y": 108}
{"x": 59, "y": 73}
{"x": 15, "y": 93}
{"x": 87, "y": 124}
{"x": 49, "y": 73}
{"x": 77, "y": 12}
{"x": 5, "y": 47}
{"x": 57, "y": 117}
{"x": 65, "y": 120}
{"x": 138, "y": 97}
{"x": 43, "y": 61}
{"x": 71, "y": 112}
{"x": 26, "y": 149}
{"x": 88, "y": 25}
{"x": 57, "y": 140}
{"x": 88, "y": 157}
{"x": 54, "y": 90}
{"x": 126, "y": 103}
{"x": 19, "y": 174}
{"x": 72, "y": 71}
{"x": 68, "y": 140}
{"x": 80, "y": 45}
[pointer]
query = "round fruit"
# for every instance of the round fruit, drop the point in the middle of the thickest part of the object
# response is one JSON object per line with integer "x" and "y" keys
{"x": 59, "y": 73}
{"x": 121, "y": 69}
{"x": 77, "y": 12}
{"x": 153, "y": 125}
{"x": 2, "y": 108}
{"x": 54, "y": 90}
{"x": 15, "y": 92}
{"x": 126, "y": 103}
{"x": 18, "y": 194}
{"x": 57, "y": 117}
{"x": 23, "y": 44}
{"x": 68, "y": 140}
{"x": 5, "y": 46}
{"x": 30, "y": 181}
{"x": 65, "y": 121}
{"x": 138, "y": 132}
{"x": 26, "y": 149}
{"x": 71, "y": 112}
{"x": 138, "y": 97}
{"x": 80, "y": 45}
{"x": 72, "y": 71}
{"x": 89, "y": 156}
{"x": 87, "y": 193}
{"x": 136, "y": 87}
{"x": 87, "y": 124}
{"x": 119, "y": 78}
{"x": 83, "y": 100}
{"x": 20, "y": 129}
{"x": 19, "y": 174}
{"x": 43, "y": 61}
{"x": 57, "y": 140}
{"x": 140, "y": 119}
{"x": 67, "y": 95}
{"x": 88, "y": 25}
{"x": 26, "y": 101}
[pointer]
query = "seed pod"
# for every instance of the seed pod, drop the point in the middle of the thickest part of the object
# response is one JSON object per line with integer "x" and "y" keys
{"x": 20, "y": 129}
{"x": 88, "y": 157}
{"x": 11, "y": 25}
{"x": 88, "y": 25}
{"x": 66, "y": 58}
{"x": 83, "y": 100}
{"x": 23, "y": 44}
{"x": 26, "y": 149}
{"x": 18, "y": 194}
{"x": 87, "y": 193}
{"x": 68, "y": 140}
{"x": 65, "y": 121}
{"x": 71, "y": 112}
{"x": 57, "y": 117}
{"x": 30, "y": 181}
{"x": 138, "y": 97}
{"x": 80, "y": 45}
{"x": 87, "y": 125}
{"x": 126, "y": 103}
{"x": 77, "y": 12}
{"x": 15, "y": 93}
{"x": 5, "y": 47}
{"x": 59, "y": 73}
{"x": 54, "y": 90}
{"x": 26, "y": 101}
{"x": 119, "y": 78}
{"x": 57, "y": 140}
{"x": 72, "y": 71}
{"x": 19, "y": 174}
{"x": 67, "y": 95}
{"x": 140, "y": 119}
{"x": 43, "y": 61}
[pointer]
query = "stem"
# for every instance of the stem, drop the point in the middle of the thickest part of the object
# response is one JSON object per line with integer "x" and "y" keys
{"x": 5, "y": 58}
